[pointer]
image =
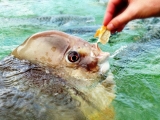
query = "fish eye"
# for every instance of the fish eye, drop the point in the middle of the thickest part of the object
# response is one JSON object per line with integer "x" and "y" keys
{"x": 73, "y": 56}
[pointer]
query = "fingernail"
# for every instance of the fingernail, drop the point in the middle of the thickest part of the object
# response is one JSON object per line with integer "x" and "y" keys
{"x": 110, "y": 26}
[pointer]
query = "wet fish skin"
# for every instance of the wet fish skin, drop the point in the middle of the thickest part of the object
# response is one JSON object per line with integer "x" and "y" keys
{"x": 32, "y": 94}
{"x": 39, "y": 82}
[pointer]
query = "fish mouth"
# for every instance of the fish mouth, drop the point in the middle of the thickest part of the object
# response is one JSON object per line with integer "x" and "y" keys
{"x": 102, "y": 60}
{"x": 104, "y": 67}
{"x": 104, "y": 70}
{"x": 106, "y": 76}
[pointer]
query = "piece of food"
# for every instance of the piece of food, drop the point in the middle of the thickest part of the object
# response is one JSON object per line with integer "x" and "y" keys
{"x": 103, "y": 35}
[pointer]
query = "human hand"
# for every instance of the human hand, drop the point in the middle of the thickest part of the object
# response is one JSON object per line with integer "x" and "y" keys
{"x": 120, "y": 12}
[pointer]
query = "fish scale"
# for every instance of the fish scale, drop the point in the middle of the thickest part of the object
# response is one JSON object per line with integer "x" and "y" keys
{"x": 18, "y": 95}
{"x": 38, "y": 83}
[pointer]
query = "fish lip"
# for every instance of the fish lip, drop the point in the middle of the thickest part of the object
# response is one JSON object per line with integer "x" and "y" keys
{"x": 104, "y": 67}
{"x": 103, "y": 62}
{"x": 103, "y": 56}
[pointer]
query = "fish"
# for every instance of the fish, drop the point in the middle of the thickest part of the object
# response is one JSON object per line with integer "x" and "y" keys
{"x": 56, "y": 76}
{"x": 55, "y": 21}
{"x": 66, "y": 20}
{"x": 90, "y": 29}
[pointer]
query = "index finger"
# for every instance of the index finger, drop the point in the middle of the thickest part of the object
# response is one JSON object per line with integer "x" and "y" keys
{"x": 109, "y": 14}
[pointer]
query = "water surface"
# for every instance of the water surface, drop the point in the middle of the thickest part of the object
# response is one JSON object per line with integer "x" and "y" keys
{"x": 134, "y": 52}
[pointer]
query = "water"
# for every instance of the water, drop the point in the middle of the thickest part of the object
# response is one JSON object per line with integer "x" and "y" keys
{"x": 135, "y": 59}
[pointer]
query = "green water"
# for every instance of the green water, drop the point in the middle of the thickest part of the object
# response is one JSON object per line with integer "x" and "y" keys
{"x": 135, "y": 65}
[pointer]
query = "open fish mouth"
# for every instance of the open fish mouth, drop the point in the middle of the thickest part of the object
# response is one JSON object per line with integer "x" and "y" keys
{"x": 106, "y": 77}
{"x": 102, "y": 60}
{"x": 104, "y": 70}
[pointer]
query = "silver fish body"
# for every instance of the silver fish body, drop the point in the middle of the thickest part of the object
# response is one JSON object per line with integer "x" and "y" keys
{"x": 56, "y": 76}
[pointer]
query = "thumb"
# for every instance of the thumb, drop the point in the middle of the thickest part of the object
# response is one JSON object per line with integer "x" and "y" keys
{"x": 121, "y": 19}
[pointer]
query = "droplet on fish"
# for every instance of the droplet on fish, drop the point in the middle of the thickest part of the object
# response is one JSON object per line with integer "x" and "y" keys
{"x": 47, "y": 71}
{"x": 55, "y": 94}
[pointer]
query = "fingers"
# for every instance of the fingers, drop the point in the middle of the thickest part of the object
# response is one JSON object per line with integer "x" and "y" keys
{"x": 121, "y": 20}
{"x": 108, "y": 17}
{"x": 110, "y": 11}
{"x": 119, "y": 29}
{"x": 120, "y": 12}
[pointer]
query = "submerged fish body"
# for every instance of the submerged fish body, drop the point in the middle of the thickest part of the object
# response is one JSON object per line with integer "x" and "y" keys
{"x": 65, "y": 20}
{"x": 56, "y": 76}
{"x": 89, "y": 30}
{"x": 53, "y": 21}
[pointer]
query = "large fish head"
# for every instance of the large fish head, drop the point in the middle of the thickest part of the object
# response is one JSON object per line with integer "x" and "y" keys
{"x": 81, "y": 64}
{"x": 60, "y": 50}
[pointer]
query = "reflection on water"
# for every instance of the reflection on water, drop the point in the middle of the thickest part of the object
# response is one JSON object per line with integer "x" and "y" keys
{"x": 136, "y": 67}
